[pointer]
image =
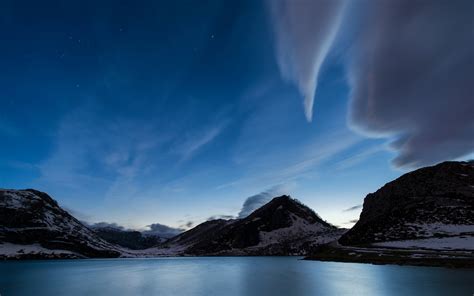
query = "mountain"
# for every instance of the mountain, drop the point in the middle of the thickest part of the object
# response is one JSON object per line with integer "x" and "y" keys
{"x": 283, "y": 226}
{"x": 433, "y": 205}
{"x": 425, "y": 217}
{"x": 130, "y": 239}
{"x": 33, "y": 225}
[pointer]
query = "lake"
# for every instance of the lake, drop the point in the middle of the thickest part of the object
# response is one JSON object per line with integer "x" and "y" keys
{"x": 227, "y": 276}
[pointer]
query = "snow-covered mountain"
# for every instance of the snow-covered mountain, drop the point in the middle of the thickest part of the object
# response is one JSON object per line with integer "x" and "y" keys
{"x": 283, "y": 226}
{"x": 33, "y": 225}
{"x": 431, "y": 208}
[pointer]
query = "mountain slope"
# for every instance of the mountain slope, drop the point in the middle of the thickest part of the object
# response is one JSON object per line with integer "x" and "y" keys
{"x": 32, "y": 225}
{"x": 281, "y": 227}
{"x": 425, "y": 217}
{"x": 432, "y": 205}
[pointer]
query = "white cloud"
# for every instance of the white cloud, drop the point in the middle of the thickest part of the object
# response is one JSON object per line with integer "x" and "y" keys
{"x": 193, "y": 143}
{"x": 304, "y": 32}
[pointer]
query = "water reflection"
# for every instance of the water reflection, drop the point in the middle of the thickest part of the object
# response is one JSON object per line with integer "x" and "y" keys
{"x": 226, "y": 276}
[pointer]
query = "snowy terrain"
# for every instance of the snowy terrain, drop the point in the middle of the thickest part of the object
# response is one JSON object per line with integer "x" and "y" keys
{"x": 442, "y": 243}
{"x": 283, "y": 226}
{"x": 300, "y": 229}
{"x": 30, "y": 217}
{"x": 10, "y": 250}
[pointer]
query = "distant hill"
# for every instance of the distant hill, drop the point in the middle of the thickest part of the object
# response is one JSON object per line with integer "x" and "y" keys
{"x": 283, "y": 226}
{"x": 130, "y": 239}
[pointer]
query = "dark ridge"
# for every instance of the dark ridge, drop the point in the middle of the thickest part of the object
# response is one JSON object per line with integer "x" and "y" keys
{"x": 222, "y": 237}
{"x": 443, "y": 193}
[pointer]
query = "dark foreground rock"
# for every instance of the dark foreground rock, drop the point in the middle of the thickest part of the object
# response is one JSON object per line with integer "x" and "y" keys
{"x": 425, "y": 217}
{"x": 431, "y": 202}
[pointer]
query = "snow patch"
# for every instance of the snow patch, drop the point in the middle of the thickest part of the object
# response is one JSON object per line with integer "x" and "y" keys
{"x": 440, "y": 228}
{"x": 444, "y": 243}
{"x": 300, "y": 228}
{"x": 9, "y": 250}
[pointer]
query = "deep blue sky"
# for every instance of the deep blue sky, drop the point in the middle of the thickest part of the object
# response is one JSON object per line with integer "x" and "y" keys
{"x": 139, "y": 112}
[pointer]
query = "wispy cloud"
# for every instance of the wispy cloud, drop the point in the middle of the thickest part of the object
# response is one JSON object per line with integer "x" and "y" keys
{"x": 354, "y": 208}
{"x": 353, "y": 221}
{"x": 359, "y": 157}
{"x": 193, "y": 143}
{"x": 315, "y": 154}
{"x": 91, "y": 161}
{"x": 297, "y": 164}
{"x": 304, "y": 32}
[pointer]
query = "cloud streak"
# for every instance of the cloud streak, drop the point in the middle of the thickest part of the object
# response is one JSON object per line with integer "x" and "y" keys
{"x": 356, "y": 207}
{"x": 192, "y": 144}
{"x": 304, "y": 32}
{"x": 353, "y": 221}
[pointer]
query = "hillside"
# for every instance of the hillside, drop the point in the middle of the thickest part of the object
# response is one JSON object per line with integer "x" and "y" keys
{"x": 33, "y": 225}
{"x": 425, "y": 217}
{"x": 433, "y": 206}
{"x": 283, "y": 226}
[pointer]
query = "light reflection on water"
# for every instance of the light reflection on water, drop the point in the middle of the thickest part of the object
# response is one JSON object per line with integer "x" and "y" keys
{"x": 227, "y": 276}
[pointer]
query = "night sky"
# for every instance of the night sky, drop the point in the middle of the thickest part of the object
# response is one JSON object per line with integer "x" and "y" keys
{"x": 173, "y": 112}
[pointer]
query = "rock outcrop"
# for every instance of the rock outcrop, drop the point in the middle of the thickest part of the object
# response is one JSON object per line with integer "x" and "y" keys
{"x": 427, "y": 207}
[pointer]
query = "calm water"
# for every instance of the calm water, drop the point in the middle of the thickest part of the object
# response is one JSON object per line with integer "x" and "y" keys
{"x": 227, "y": 276}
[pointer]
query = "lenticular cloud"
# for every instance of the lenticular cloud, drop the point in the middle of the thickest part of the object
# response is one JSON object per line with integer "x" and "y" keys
{"x": 412, "y": 78}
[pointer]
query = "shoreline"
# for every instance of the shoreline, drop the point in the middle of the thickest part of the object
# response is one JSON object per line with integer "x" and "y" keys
{"x": 382, "y": 256}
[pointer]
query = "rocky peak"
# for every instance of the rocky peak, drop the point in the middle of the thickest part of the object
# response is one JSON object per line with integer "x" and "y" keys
{"x": 283, "y": 226}
{"x": 279, "y": 210}
{"x": 406, "y": 207}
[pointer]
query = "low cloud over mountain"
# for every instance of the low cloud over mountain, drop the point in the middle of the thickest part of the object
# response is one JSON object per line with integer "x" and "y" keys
{"x": 256, "y": 201}
{"x": 162, "y": 230}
